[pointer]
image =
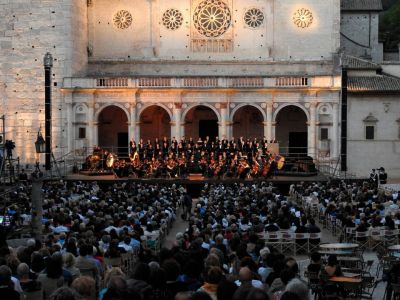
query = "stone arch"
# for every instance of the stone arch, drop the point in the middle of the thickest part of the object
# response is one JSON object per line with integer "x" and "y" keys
{"x": 112, "y": 121}
{"x": 147, "y": 105}
{"x": 201, "y": 121}
{"x": 201, "y": 104}
{"x": 282, "y": 106}
{"x": 154, "y": 122}
{"x": 98, "y": 112}
{"x": 235, "y": 109}
{"x": 248, "y": 121}
{"x": 291, "y": 130}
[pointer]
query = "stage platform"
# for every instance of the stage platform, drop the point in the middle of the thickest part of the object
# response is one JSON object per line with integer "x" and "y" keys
{"x": 185, "y": 181}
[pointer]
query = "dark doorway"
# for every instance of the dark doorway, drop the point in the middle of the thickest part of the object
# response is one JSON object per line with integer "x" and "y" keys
{"x": 123, "y": 142}
{"x": 208, "y": 128}
{"x": 298, "y": 143}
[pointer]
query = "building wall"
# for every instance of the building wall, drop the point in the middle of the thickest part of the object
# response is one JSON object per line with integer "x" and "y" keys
{"x": 29, "y": 29}
{"x": 360, "y": 35}
{"x": 278, "y": 38}
{"x": 384, "y": 150}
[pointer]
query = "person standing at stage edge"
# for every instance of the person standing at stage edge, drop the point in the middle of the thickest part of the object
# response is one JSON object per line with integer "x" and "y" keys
{"x": 187, "y": 206}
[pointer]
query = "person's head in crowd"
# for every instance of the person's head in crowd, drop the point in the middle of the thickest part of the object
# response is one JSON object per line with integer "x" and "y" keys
{"x": 13, "y": 262}
{"x": 69, "y": 260}
{"x": 214, "y": 275}
{"x": 23, "y": 271}
{"x": 5, "y": 276}
{"x": 171, "y": 268}
{"x": 114, "y": 271}
{"x": 286, "y": 275}
{"x": 257, "y": 294}
{"x": 37, "y": 262}
{"x": 85, "y": 286}
{"x": 291, "y": 263}
{"x": 65, "y": 293}
{"x": 245, "y": 275}
{"x": 54, "y": 266}
{"x": 315, "y": 257}
{"x": 157, "y": 278}
{"x": 212, "y": 260}
{"x": 117, "y": 288}
{"x": 297, "y": 287}
{"x": 141, "y": 272}
{"x": 226, "y": 289}
{"x": 332, "y": 260}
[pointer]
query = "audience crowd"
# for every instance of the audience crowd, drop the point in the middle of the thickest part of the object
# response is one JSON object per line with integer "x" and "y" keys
{"x": 221, "y": 255}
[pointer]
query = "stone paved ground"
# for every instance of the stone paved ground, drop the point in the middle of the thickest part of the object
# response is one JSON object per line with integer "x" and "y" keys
{"x": 303, "y": 260}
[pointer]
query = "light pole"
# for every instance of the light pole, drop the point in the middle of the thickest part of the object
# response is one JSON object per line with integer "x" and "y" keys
{"x": 48, "y": 64}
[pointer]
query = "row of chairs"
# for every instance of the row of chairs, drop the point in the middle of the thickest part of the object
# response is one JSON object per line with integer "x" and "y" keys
{"x": 293, "y": 243}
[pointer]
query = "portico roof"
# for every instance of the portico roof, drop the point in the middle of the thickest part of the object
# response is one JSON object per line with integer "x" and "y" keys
{"x": 356, "y": 63}
{"x": 361, "y": 5}
{"x": 378, "y": 83}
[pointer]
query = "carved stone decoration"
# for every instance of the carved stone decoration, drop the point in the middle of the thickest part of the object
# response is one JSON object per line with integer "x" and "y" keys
{"x": 254, "y": 17}
{"x": 122, "y": 19}
{"x": 303, "y": 18}
{"x": 386, "y": 107}
{"x": 212, "y": 18}
{"x": 172, "y": 19}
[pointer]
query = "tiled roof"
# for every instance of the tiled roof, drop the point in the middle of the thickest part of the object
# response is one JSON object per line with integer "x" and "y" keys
{"x": 351, "y": 62}
{"x": 379, "y": 83}
{"x": 374, "y": 5}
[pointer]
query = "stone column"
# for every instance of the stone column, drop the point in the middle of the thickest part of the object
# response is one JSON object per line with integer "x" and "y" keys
{"x": 132, "y": 124}
{"x": 335, "y": 132}
{"x": 268, "y": 123}
{"x": 223, "y": 122}
{"x": 70, "y": 134}
{"x": 92, "y": 140}
{"x": 312, "y": 131}
{"x": 176, "y": 121}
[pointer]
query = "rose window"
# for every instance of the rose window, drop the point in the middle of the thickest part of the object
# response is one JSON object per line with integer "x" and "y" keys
{"x": 212, "y": 18}
{"x": 172, "y": 19}
{"x": 254, "y": 17}
{"x": 303, "y": 18}
{"x": 122, "y": 19}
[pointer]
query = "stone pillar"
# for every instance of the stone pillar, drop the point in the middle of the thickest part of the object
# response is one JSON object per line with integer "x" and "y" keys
{"x": 223, "y": 122}
{"x": 312, "y": 131}
{"x": 70, "y": 134}
{"x": 335, "y": 132}
{"x": 92, "y": 140}
{"x": 132, "y": 125}
{"x": 268, "y": 123}
{"x": 176, "y": 123}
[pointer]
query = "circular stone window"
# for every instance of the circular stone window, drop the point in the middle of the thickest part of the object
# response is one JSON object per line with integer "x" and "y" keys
{"x": 172, "y": 19}
{"x": 254, "y": 18}
{"x": 212, "y": 18}
{"x": 303, "y": 18}
{"x": 122, "y": 19}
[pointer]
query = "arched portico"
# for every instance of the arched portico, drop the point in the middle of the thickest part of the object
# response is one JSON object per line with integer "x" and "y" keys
{"x": 113, "y": 129}
{"x": 291, "y": 130}
{"x": 155, "y": 122}
{"x": 248, "y": 121}
{"x": 201, "y": 121}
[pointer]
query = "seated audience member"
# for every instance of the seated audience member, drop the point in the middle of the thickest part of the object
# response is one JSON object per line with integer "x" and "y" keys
{"x": 6, "y": 286}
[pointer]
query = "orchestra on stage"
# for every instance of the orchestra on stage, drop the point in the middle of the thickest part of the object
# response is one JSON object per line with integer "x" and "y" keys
{"x": 170, "y": 158}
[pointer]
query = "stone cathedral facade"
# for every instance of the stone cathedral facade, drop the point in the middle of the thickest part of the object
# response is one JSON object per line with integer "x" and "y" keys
{"x": 131, "y": 69}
